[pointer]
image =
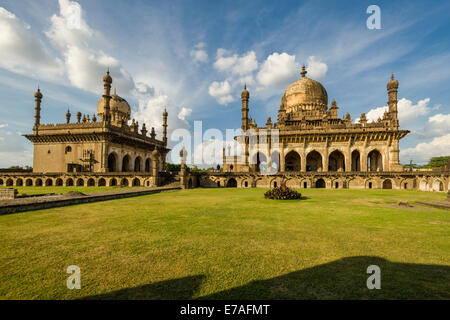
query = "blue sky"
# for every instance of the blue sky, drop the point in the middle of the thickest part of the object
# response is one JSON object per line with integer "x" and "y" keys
{"x": 195, "y": 56}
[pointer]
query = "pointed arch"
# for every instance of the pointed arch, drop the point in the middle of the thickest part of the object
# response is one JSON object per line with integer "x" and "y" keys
{"x": 292, "y": 161}
{"x": 314, "y": 161}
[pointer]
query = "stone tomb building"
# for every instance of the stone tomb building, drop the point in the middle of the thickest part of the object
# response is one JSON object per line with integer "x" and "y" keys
{"x": 102, "y": 150}
{"x": 309, "y": 146}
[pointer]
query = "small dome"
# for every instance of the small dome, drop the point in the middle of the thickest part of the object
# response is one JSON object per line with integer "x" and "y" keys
{"x": 38, "y": 94}
{"x": 245, "y": 94}
{"x": 107, "y": 78}
{"x": 304, "y": 94}
{"x": 116, "y": 102}
{"x": 393, "y": 84}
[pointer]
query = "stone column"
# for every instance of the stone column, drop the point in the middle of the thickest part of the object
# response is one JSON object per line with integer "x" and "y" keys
{"x": 348, "y": 161}
{"x": 325, "y": 160}
{"x": 269, "y": 160}
{"x": 303, "y": 162}
{"x": 155, "y": 166}
{"x": 183, "y": 155}
{"x": 363, "y": 161}
{"x": 282, "y": 160}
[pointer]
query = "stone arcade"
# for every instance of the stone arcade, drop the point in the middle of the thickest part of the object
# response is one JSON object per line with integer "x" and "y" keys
{"x": 317, "y": 149}
{"x": 314, "y": 148}
{"x": 103, "y": 151}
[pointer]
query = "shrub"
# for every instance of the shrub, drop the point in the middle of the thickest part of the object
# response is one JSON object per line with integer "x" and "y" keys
{"x": 282, "y": 193}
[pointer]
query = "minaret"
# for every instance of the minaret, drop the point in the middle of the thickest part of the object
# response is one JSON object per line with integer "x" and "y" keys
{"x": 245, "y": 96}
{"x": 165, "y": 126}
{"x": 392, "y": 89}
{"x": 68, "y": 115}
{"x": 37, "y": 109}
{"x": 107, "y": 80}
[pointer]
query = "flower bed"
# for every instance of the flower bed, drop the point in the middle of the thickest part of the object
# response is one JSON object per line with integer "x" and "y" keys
{"x": 282, "y": 193}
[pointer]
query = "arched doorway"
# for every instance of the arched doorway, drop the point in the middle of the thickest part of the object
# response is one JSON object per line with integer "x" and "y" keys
{"x": 314, "y": 161}
{"x": 232, "y": 183}
{"x": 356, "y": 161}
{"x": 113, "y": 182}
{"x": 9, "y": 182}
{"x": 275, "y": 161}
{"x": 137, "y": 164}
{"x": 292, "y": 161}
{"x": 136, "y": 182}
{"x": 260, "y": 162}
{"x": 91, "y": 182}
{"x": 48, "y": 182}
{"x": 336, "y": 161}
{"x": 126, "y": 163}
{"x": 147, "y": 165}
{"x": 28, "y": 182}
{"x": 112, "y": 160}
{"x": 19, "y": 182}
{"x": 80, "y": 182}
{"x": 1, "y": 182}
{"x": 69, "y": 182}
{"x": 438, "y": 185}
{"x": 124, "y": 182}
{"x": 38, "y": 183}
{"x": 320, "y": 183}
{"x": 59, "y": 182}
{"x": 190, "y": 183}
{"x": 387, "y": 184}
{"x": 374, "y": 161}
{"x": 101, "y": 182}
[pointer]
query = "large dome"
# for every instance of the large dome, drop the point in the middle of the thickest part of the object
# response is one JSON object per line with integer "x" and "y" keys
{"x": 116, "y": 102}
{"x": 305, "y": 94}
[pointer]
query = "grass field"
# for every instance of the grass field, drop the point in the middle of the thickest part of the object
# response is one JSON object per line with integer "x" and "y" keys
{"x": 230, "y": 243}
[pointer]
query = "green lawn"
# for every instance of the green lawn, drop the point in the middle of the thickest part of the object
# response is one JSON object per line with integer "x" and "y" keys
{"x": 230, "y": 243}
{"x": 62, "y": 190}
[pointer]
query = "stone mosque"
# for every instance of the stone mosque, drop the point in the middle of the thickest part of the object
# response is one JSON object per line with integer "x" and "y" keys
{"x": 308, "y": 146}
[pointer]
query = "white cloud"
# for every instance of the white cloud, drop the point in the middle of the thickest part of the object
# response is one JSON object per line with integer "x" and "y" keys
{"x": 151, "y": 106}
{"x": 376, "y": 113}
{"x": 199, "y": 54}
{"x": 438, "y": 125}
{"x": 21, "y": 52}
{"x": 3, "y": 125}
{"x": 71, "y": 34}
{"x": 235, "y": 64}
{"x": 407, "y": 111}
{"x": 278, "y": 70}
{"x": 221, "y": 91}
{"x": 185, "y": 112}
{"x": 316, "y": 68}
{"x": 439, "y": 146}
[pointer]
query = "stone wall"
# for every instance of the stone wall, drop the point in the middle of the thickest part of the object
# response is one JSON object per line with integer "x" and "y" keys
{"x": 8, "y": 193}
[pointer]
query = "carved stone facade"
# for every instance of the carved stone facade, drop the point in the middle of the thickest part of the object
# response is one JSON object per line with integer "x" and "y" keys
{"x": 310, "y": 146}
{"x": 95, "y": 151}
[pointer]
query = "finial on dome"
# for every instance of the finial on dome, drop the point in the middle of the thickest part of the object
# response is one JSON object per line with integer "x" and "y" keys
{"x": 245, "y": 94}
{"x": 304, "y": 72}
{"x": 38, "y": 93}
{"x": 392, "y": 76}
{"x": 107, "y": 78}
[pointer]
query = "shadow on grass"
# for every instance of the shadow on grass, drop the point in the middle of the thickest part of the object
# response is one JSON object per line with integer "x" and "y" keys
{"x": 174, "y": 289}
{"x": 342, "y": 279}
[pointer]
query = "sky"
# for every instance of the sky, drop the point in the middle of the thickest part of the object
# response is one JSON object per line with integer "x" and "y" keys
{"x": 194, "y": 57}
